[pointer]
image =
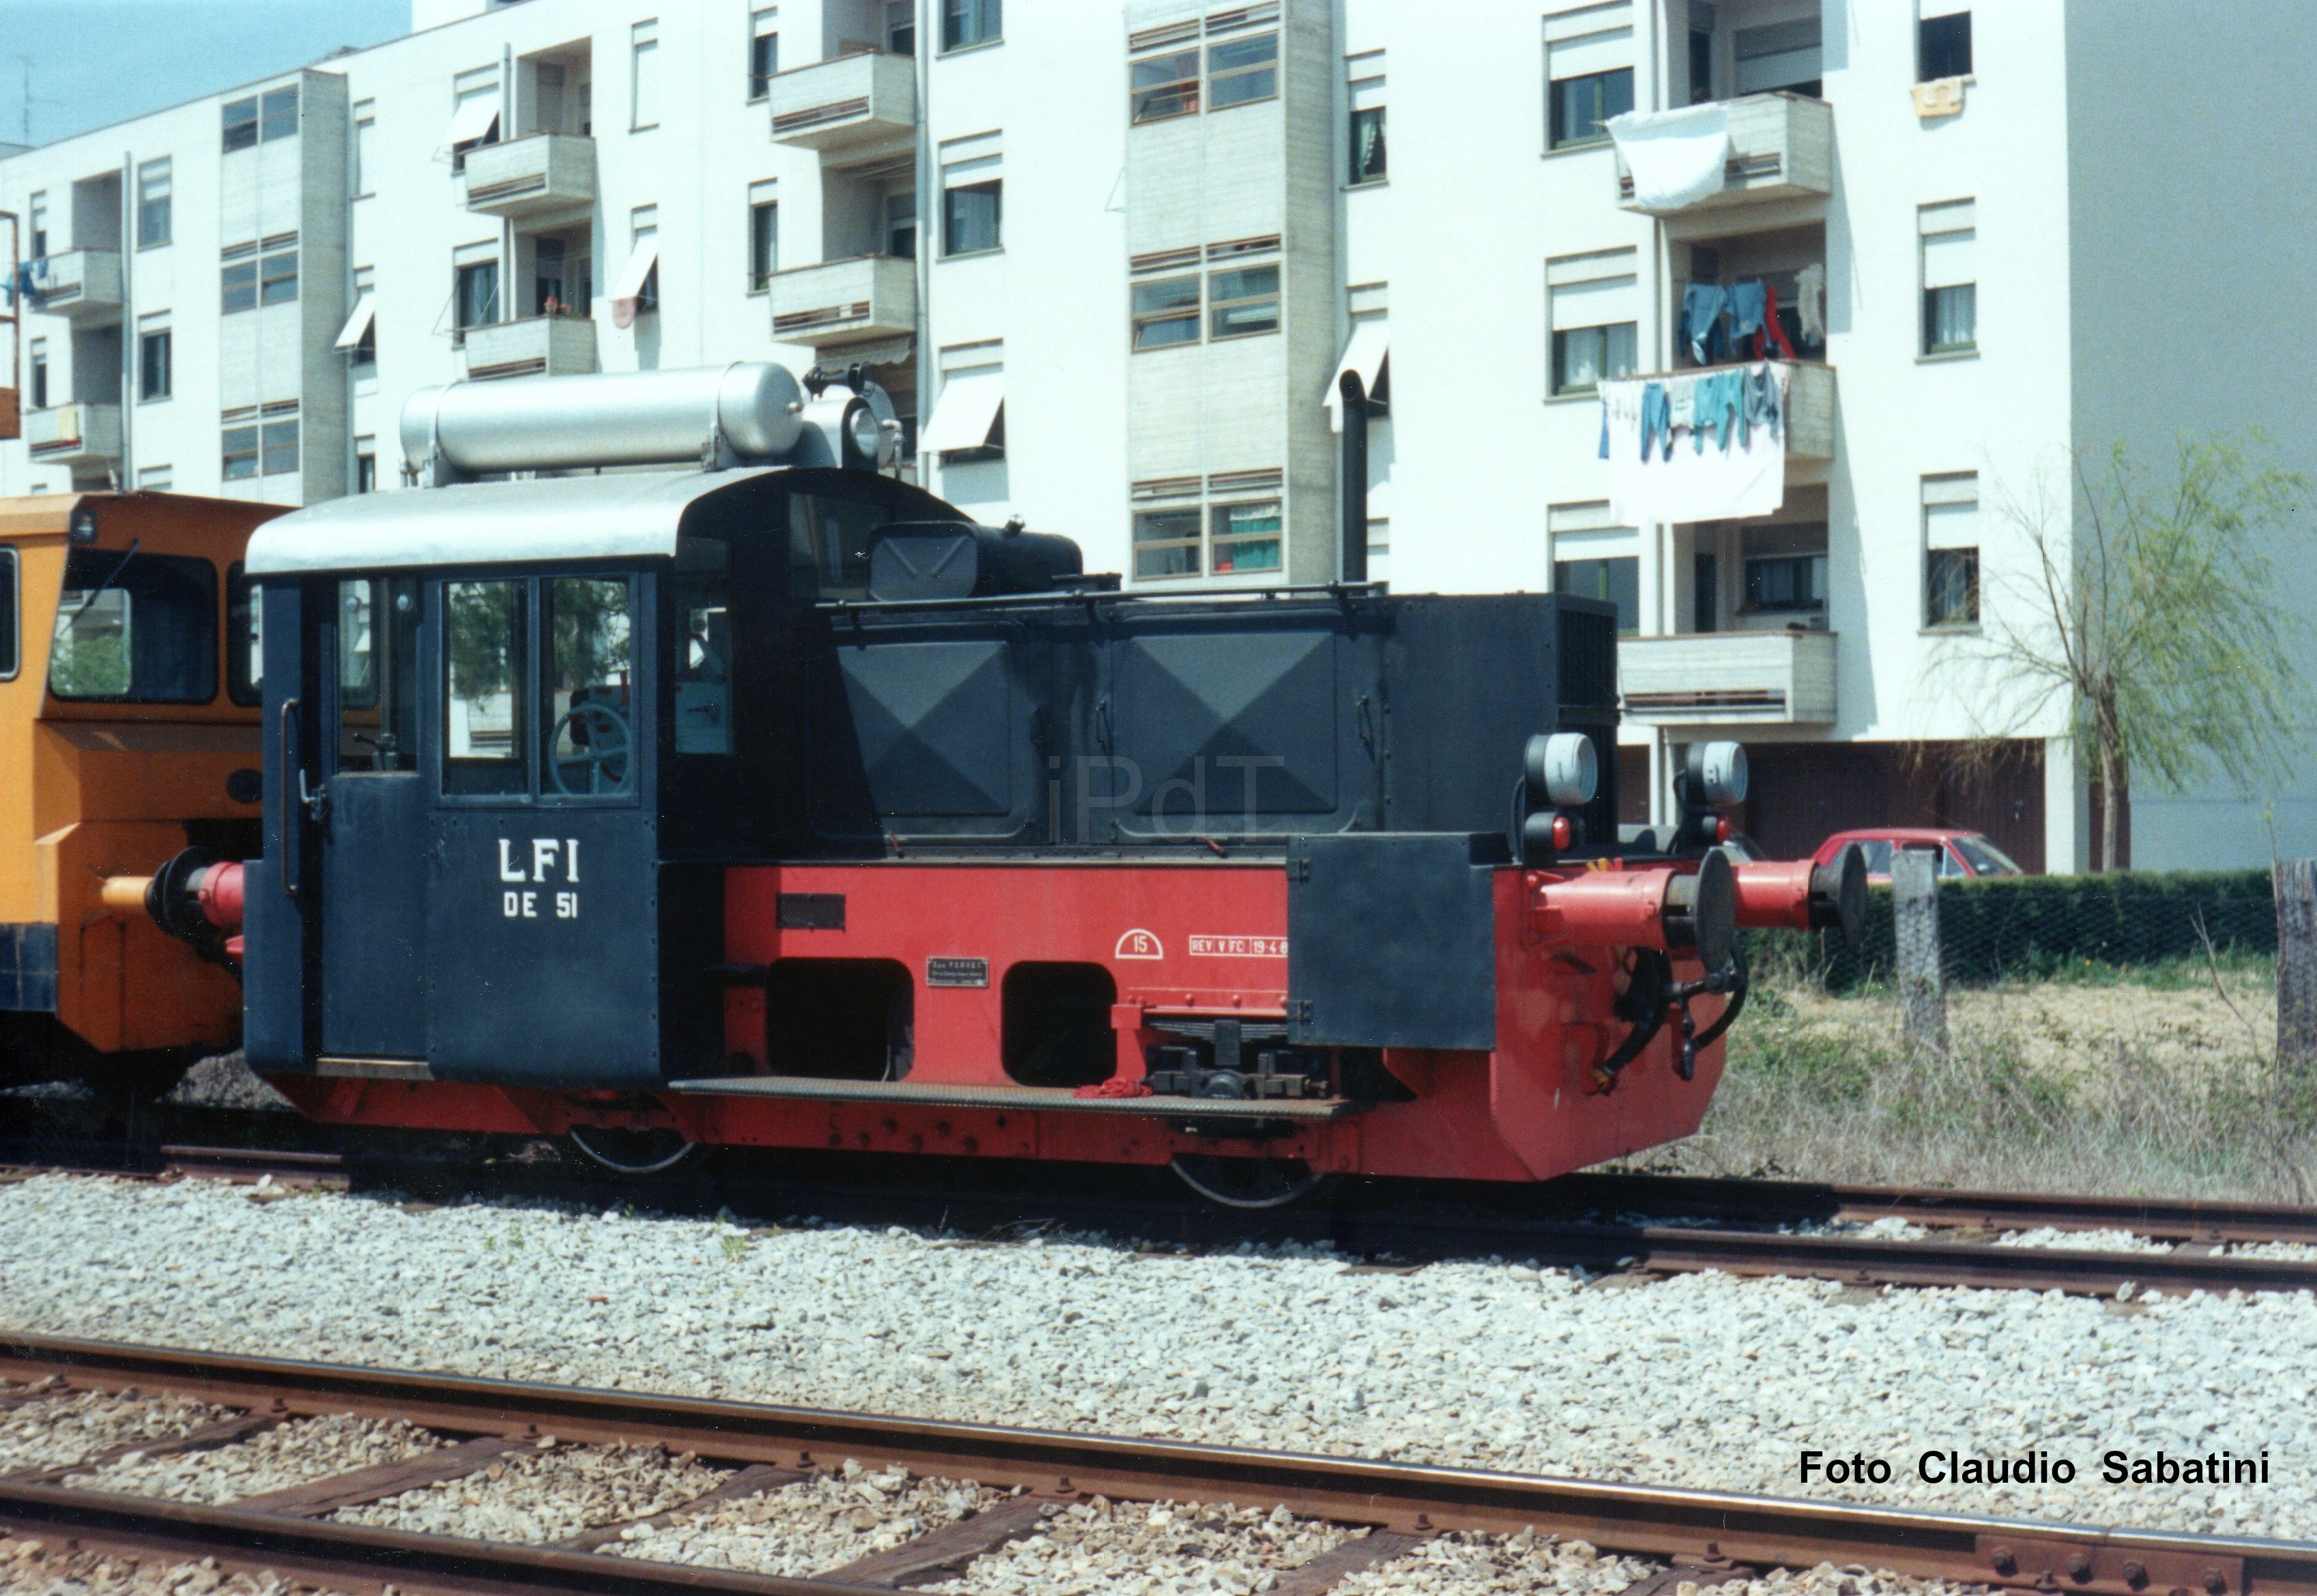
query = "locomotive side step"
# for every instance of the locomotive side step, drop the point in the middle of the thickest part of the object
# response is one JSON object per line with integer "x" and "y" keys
{"x": 1045, "y": 1098}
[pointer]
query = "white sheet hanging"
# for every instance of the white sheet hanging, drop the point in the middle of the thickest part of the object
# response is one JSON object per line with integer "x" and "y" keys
{"x": 1712, "y": 483}
{"x": 1677, "y": 158}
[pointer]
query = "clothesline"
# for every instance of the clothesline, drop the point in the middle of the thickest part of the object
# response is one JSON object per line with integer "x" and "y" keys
{"x": 1695, "y": 446}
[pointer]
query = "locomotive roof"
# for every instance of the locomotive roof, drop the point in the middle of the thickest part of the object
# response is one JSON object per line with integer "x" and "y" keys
{"x": 619, "y": 515}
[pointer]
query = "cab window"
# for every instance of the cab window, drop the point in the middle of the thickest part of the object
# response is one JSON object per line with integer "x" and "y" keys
{"x": 703, "y": 643}
{"x": 485, "y": 749}
{"x": 829, "y": 544}
{"x": 136, "y": 628}
{"x": 8, "y": 605}
{"x": 378, "y": 674}
{"x": 589, "y": 704}
{"x": 245, "y": 638}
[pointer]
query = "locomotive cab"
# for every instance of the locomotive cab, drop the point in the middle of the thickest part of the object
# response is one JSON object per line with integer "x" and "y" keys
{"x": 128, "y": 734}
{"x": 508, "y": 762}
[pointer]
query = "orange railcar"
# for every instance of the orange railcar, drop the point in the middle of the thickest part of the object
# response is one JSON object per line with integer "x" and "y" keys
{"x": 128, "y": 732}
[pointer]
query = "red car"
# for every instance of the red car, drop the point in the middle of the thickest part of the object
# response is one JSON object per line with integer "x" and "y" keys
{"x": 1961, "y": 853}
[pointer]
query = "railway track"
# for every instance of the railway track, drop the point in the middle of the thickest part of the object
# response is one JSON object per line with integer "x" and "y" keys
{"x": 1601, "y": 1223}
{"x": 1703, "y": 1537}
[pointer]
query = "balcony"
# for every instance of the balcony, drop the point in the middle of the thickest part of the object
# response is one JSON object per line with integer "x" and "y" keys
{"x": 1762, "y": 679}
{"x": 534, "y": 346}
{"x": 854, "y": 109}
{"x": 545, "y": 173}
{"x": 1781, "y": 149}
{"x": 847, "y": 301}
{"x": 75, "y": 435}
{"x": 1810, "y": 413}
{"x": 83, "y": 286}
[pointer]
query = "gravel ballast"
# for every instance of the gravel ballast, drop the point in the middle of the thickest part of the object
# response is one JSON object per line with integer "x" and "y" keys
{"x": 1135, "y": 1548}
{"x": 813, "y": 1526}
{"x": 274, "y": 1459}
{"x": 544, "y": 1495}
{"x": 65, "y": 1428}
{"x": 1700, "y": 1380}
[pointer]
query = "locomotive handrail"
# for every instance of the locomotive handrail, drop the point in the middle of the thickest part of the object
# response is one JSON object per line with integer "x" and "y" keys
{"x": 1000, "y": 600}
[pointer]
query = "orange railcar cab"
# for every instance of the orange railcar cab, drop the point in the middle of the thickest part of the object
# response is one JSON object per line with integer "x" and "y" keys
{"x": 129, "y": 735}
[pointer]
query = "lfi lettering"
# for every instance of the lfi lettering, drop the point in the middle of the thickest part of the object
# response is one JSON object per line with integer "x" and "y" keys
{"x": 548, "y": 855}
{"x": 544, "y": 852}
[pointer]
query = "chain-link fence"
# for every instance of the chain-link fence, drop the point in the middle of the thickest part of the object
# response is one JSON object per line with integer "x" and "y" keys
{"x": 2035, "y": 927}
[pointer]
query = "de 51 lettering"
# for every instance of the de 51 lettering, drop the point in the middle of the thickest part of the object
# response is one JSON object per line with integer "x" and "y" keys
{"x": 551, "y": 857}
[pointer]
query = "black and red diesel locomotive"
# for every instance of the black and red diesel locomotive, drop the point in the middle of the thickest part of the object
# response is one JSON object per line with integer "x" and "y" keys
{"x": 692, "y": 781}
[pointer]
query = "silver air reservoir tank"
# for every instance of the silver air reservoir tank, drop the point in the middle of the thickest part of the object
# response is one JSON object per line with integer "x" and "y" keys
{"x": 750, "y": 411}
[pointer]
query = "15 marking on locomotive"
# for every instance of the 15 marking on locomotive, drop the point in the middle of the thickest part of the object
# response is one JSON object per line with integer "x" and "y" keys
{"x": 547, "y": 854}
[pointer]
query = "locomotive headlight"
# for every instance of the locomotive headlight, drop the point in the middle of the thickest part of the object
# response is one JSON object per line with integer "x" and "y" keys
{"x": 865, "y": 432}
{"x": 1716, "y": 773}
{"x": 1562, "y": 769}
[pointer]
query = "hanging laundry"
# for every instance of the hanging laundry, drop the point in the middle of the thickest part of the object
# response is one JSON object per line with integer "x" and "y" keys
{"x": 1745, "y": 302}
{"x": 1809, "y": 302}
{"x": 1657, "y": 419}
{"x": 1774, "y": 333}
{"x": 1720, "y": 397}
{"x": 1763, "y": 400}
{"x": 1676, "y": 158}
{"x": 1701, "y": 320}
{"x": 1736, "y": 463}
{"x": 1621, "y": 420}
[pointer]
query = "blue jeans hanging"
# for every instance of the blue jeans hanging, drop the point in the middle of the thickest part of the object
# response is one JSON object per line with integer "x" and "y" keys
{"x": 1657, "y": 419}
{"x": 1748, "y": 302}
{"x": 1701, "y": 320}
{"x": 1761, "y": 401}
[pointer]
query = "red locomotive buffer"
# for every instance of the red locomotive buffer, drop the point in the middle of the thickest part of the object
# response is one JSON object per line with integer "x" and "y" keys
{"x": 769, "y": 801}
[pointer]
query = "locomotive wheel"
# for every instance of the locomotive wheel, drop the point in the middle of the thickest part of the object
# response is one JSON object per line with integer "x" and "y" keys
{"x": 632, "y": 1153}
{"x": 1246, "y": 1182}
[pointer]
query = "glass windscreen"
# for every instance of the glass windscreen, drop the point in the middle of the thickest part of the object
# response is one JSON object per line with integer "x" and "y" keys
{"x": 702, "y": 585}
{"x": 135, "y": 628}
{"x": 589, "y": 706}
{"x": 484, "y": 745}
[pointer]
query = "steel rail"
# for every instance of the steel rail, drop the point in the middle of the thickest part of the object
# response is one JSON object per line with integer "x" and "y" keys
{"x": 2195, "y": 1219}
{"x": 1717, "y": 1527}
{"x": 339, "y": 1555}
{"x": 1530, "y": 1224}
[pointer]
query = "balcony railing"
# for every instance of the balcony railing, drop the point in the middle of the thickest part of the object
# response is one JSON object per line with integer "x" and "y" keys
{"x": 1810, "y": 412}
{"x": 534, "y": 346}
{"x": 1780, "y": 147}
{"x": 74, "y": 435}
{"x": 547, "y": 172}
{"x": 1716, "y": 678}
{"x": 869, "y": 296}
{"x": 852, "y": 109}
{"x": 82, "y": 285}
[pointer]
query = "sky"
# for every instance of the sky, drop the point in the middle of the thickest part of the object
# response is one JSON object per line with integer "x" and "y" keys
{"x": 94, "y": 62}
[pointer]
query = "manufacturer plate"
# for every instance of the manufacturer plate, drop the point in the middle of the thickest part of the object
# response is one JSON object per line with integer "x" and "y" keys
{"x": 957, "y": 972}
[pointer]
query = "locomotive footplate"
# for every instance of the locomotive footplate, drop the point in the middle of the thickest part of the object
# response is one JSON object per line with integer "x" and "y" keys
{"x": 1054, "y": 1099}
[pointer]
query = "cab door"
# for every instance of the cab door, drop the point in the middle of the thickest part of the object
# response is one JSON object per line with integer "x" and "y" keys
{"x": 372, "y": 820}
{"x": 542, "y": 960}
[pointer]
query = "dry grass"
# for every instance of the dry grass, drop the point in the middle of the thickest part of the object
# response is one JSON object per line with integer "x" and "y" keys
{"x": 2146, "y": 1084}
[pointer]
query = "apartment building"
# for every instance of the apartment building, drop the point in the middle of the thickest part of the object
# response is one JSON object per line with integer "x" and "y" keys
{"x": 1111, "y": 258}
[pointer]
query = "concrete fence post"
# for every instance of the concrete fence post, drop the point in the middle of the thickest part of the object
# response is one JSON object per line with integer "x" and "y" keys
{"x": 2294, "y": 883}
{"x": 1922, "y": 980}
